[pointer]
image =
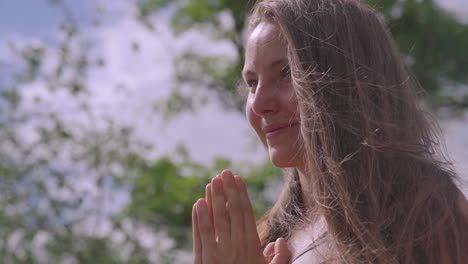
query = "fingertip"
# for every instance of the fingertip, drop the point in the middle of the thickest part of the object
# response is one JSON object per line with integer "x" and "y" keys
{"x": 282, "y": 252}
{"x": 269, "y": 248}
{"x": 278, "y": 243}
{"x": 226, "y": 172}
{"x": 269, "y": 252}
{"x": 217, "y": 184}
{"x": 215, "y": 177}
{"x": 226, "y": 175}
{"x": 194, "y": 213}
{"x": 228, "y": 180}
{"x": 208, "y": 197}
{"x": 201, "y": 204}
{"x": 240, "y": 182}
{"x": 237, "y": 180}
{"x": 194, "y": 207}
{"x": 281, "y": 246}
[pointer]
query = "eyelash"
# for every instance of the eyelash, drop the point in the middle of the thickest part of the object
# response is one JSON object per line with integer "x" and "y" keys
{"x": 286, "y": 71}
{"x": 250, "y": 83}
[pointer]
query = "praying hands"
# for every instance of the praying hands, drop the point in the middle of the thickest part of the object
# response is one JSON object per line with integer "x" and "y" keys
{"x": 224, "y": 229}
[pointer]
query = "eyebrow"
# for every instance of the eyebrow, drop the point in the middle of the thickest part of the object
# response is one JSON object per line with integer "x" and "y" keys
{"x": 275, "y": 63}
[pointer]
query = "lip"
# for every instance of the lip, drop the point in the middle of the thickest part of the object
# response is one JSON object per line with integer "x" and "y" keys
{"x": 275, "y": 129}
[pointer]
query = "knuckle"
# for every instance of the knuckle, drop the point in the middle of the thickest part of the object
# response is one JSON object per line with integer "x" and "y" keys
{"x": 204, "y": 227}
{"x": 234, "y": 206}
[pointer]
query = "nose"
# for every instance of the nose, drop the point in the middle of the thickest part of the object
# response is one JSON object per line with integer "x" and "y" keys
{"x": 264, "y": 99}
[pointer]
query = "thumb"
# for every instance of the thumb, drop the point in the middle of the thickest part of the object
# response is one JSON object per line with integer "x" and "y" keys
{"x": 282, "y": 253}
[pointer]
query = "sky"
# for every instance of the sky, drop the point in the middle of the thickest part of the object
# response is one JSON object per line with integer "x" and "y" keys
{"x": 147, "y": 77}
{"x": 126, "y": 89}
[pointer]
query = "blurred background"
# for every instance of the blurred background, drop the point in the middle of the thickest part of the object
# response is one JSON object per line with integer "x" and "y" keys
{"x": 114, "y": 114}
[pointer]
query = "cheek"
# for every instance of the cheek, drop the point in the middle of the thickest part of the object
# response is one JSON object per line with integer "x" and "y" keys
{"x": 255, "y": 121}
{"x": 290, "y": 100}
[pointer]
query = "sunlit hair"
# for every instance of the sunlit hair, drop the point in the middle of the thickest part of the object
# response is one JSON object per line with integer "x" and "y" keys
{"x": 378, "y": 177}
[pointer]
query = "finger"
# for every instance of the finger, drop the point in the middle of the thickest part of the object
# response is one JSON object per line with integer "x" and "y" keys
{"x": 269, "y": 252}
{"x": 220, "y": 213}
{"x": 234, "y": 209}
{"x": 208, "y": 201}
{"x": 197, "y": 250}
{"x": 282, "y": 253}
{"x": 249, "y": 218}
{"x": 206, "y": 231}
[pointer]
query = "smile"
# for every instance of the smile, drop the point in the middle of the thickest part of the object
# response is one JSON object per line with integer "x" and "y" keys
{"x": 278, "y": 130}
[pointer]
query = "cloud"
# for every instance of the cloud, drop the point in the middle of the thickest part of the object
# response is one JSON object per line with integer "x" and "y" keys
{"x": 137, "y": 71}
{"x": 147, "y": 75}
{"x": 459, "y": 8}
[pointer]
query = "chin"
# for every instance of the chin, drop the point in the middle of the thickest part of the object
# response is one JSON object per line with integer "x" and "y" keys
{"x": 281, "y": 164}
{"x": 282, "y": 159}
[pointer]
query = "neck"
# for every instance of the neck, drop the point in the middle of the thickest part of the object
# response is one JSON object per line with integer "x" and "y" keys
{"x": 306, "y": 187}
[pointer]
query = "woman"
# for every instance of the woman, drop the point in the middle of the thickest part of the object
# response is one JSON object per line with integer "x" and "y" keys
{"x": 331, "y": 100}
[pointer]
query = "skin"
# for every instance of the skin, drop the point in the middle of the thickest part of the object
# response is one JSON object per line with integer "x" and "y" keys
{"x": 224, "y": 229}
{"x": 271, "y": 99}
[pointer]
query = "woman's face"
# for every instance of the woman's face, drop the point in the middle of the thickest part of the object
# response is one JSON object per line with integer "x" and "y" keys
{"x": 271, "y": 104}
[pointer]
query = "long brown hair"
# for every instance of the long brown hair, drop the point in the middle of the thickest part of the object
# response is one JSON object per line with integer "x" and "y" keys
{"x": 386, "y": 192}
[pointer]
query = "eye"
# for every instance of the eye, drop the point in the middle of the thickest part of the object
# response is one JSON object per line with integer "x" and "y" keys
{"x": 286, "y": 72}
{"x": 252, "y": 84}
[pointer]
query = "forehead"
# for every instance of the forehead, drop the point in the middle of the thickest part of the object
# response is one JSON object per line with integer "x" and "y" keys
{"x": 264, "y": 45}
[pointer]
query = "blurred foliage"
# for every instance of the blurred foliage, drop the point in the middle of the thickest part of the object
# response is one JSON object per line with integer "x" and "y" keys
{"x": 212, "y": 18}
{"x": 432, "y": 42}
{"x": 57, "y": 186}
{"x": 165, "y": 194}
